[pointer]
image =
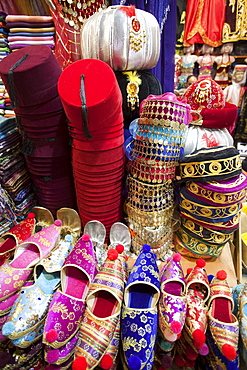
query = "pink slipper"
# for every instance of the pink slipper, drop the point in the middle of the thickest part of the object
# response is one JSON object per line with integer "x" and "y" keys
{"x": 14, "y": 274}
{"x": 68, "y": 304}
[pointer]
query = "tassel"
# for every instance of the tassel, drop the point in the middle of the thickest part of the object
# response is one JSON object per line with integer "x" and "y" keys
{"x": 130, "y": 11}
{"x": 11, "y": 81}
{"x": 84, "y": 110}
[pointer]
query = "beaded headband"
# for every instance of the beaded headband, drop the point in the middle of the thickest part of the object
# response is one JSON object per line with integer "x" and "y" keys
{"x": 211, "y": 164}
{"x": 207, "y": 235}
{"x": 172, "y": 134}
{"x": 150, "y": 219}
{"x": 149, "y": 197}
{"x": 152, "y": 171}
{"x": 198, "y": 246}
{"x": 205, "y": 212}
{"x": 213, "y": 197}
{"x": 158, "y": 152}
{"x": 149, "y": 234}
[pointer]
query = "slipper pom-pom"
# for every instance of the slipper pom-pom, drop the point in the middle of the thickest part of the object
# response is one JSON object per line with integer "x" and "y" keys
{"x": 176, "y": 327}
{"x": 51, "y": 336}
{"x": 80, "y": 363}
{"x": 134, "y": 363}
{"x": 189, "y": 270}
{"x": 198, "y": 336}
{"x": 85, "y": 237}
{"x": 179, "y": 361}
{"x": 146, "y": 248}
{"x": 190, "y": 353}
{"x": 221, "y": 275}
{"x": 58, "y": 223}
{"x": 229, "y": 352}
{"x": 31, "y": 215}
{"x": 200, "y": 262}
{"x": 210, "y": 278}
{"x": 204, "y": 350}
{"x": 106, "y": 362}
{"x": 190, "y": 363}
{"x": 52, "y": 356}
{"x": 112, "y": 254}
{"x": 120, "y": 248}
{"x": 176, "y": 257}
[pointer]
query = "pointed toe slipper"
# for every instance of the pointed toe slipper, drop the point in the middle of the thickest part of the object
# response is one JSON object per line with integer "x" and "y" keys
{"x": 60, "y": 355}
{"x": 68, "y": 304}
{"x": 97, "y": 232}
{"x": 99, "y": 332}
{"x": 139, "y": 318}
{"x": 15, "y": 273}
{"x": 173, "y": 302}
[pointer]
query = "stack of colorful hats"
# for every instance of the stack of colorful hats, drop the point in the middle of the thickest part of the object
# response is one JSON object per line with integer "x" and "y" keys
{"x": 210, "y": 200}
{"x": 25, "y": 30}
{"x": 4, "y": 45}
{"x": 92, "y": 101}
{"x": 42, "y": 123}
{"x": 158, "y": 144}
{"x": 7, "y": 211}
{"x": 14, "y": 176}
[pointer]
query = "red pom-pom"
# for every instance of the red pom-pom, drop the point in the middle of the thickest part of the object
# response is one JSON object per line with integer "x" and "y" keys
{"x": 31, "y": 215}
{"x": 204, "y": 350}
{"x": 229, "y": 352}
{"x": 190, "y": 363}
{"x": 199, "y": 337}
{"x": 190, "y": 353}
{"x": 120, "y": 248}
{"x": 189, "y": 270}
{"x": 179, "y": 361}
{"x": 112, "y": 254}
{"x": 106, "y": 362}
{"x": 176, "y": 257}
{"x": 58, "y": 223}
{"x": 176, "y": 327}
{"x": 52, "y": 356}
{"x": 221, "y": 275}
{"x": 51, "y": 336}
{"x": 80, "y": 363}
{"x": 200, "y": 262}
{"x": 85, "y": 237}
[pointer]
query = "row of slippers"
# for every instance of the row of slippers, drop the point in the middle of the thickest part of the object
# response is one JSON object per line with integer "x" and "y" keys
{"x": 150, "y": 300}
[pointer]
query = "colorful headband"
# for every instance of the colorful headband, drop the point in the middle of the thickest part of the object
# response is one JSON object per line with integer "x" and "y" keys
{"x": 211, "y": 164}
{"x": 149, "y": 234}
{"x": 165, "y": 107}
{"x": 204, "y": 211}
{"x": 152, "y": 171}
{"x": 198, "y": 246}
{"x": 201, "y": 233}
{"x": 224, "y": 192}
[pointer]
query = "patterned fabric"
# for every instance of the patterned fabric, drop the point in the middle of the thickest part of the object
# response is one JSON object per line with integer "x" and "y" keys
{"x": 64, "y": 351}
{"x": 11, "y": 279}
{"x": 31, "y": 337}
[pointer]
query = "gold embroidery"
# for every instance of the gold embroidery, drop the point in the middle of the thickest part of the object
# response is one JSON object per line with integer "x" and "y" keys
{"x": 240, "y": 31}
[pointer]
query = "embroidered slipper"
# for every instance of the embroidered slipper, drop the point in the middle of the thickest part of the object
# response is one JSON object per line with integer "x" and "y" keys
{"x": 99, "y": 332}
{"x": 64, "y": 366}
{"x": 240, "y": 310}
{"x": 71, "y": 222}
{"x": 223, "y": 326}
{"x": 16, "y": 235}
{"x": 6, "y": 305}
{"x": 13, "y": 274}
{"x": 43, "y": 217}
{"x": 197, "y": 292}
{"x": 173, "y": 302}
{"x": 97, "y": 232}
{"x": 68, "y": 304}
{"x": 139, "y": 318}
{"x": 60, "y": 355}
{"x": 31, "y": 337}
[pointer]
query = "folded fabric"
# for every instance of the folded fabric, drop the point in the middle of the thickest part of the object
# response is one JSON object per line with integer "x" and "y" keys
{"x": 29, "y": 24}
{"x": 32, "y": 34}
{"x": 28, "y": 18}
{"x": 32, "y": 42}
{"x": 32, "y": 30}
{"x": 30, "y": 38}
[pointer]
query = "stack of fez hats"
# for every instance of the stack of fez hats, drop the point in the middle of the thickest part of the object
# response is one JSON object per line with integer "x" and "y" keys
{"x": 14, "y": 176}
{"x": 30, "y": 75}
{"x": 210, "y": 200}
{"x": 25, "y": 30}
{"x": 158, "y": 143}
{"x": 92, "y": 101}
